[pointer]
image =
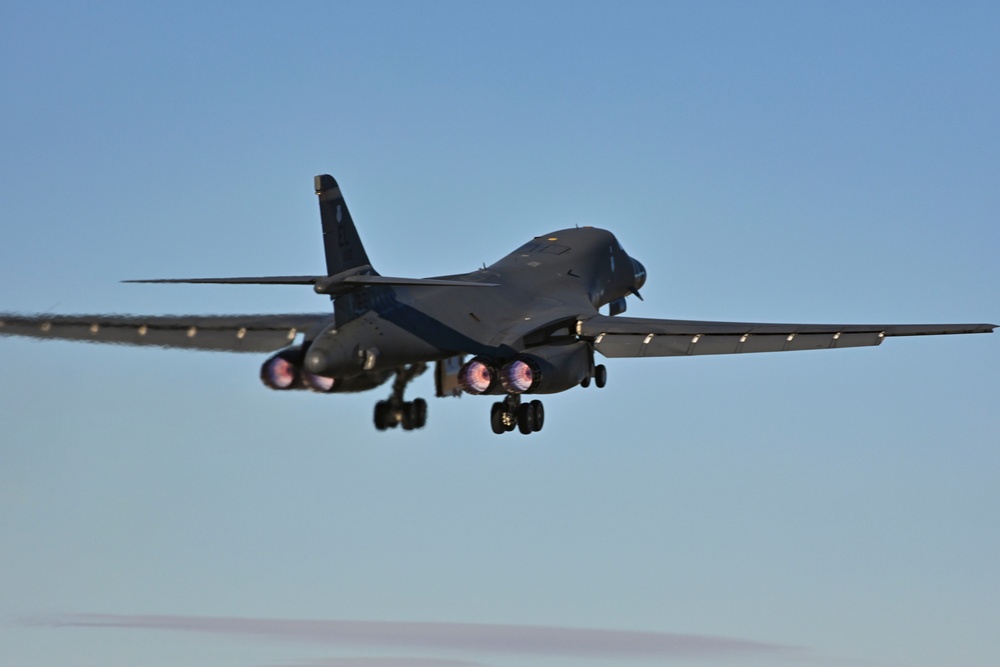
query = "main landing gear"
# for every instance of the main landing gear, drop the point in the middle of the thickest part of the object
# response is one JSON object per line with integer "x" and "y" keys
{"x": 600, "y": 377}
{"x": 529, "y": 417}
{"x": 395, "y": 411}
{"x": 511, "y": 412}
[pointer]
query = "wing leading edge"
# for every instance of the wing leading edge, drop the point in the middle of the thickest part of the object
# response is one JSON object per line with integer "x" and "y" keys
{"x": 221, "y": 333}
{"x": 638, "y": 337}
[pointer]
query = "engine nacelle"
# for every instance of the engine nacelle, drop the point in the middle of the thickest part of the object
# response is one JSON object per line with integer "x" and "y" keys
{"x": 284, "y": 371}
{"x": 547, "y": 369}
{"x": 359, "y": 383}
{"x": 367, "y": 344}
{"x": 334, "y": 357}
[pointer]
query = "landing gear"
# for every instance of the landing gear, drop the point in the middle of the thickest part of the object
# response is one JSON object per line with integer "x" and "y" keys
{"x": 525, "y": 418}
{"x": 538, "y": 414}
{"x": 395, "y": 411}
{"x": 511, "y": 413}
{"x": 500, "y": 418}
{"x": 600, "y": 377}
{"x": 415, "y": 414}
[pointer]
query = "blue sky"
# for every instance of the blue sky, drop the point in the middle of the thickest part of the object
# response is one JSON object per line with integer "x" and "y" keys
{"x": 771, "y": 161}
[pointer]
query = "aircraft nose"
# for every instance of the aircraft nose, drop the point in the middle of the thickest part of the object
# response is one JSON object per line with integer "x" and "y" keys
{"x": 640, "y": 275}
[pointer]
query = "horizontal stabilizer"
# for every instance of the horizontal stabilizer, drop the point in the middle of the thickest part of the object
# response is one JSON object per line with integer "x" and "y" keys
{"x": 323, "y": 284}
{"x": 263, "y": 280}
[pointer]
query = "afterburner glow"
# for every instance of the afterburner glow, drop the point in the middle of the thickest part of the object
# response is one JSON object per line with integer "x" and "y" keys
{"x": 279, "y": 372}
{"x": 477, "y": 377}
{"x": 518, "y": 377}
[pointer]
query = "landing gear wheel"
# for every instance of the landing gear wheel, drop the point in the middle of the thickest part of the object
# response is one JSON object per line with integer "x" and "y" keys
{"x": 419, "y": 412}
{"x": 414, "y": 414}
{"x": 585, "y": 382}
{"x": 382, "y": 415}
{"x": 406, "y": 413}
{"x": 508, "y": 414}
{"x": 538, "y": 416}
{"x": 600, "y": 376}
{"x": 496, "y": 418}
{"x": 395, "y": 411}
{"x": 525, "y": 418}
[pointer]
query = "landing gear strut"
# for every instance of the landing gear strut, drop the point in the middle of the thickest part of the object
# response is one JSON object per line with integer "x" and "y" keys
{"x": 395, "y": 411}
{"x": 511, "y": 413}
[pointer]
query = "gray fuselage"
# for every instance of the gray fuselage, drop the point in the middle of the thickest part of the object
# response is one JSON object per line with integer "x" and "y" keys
{"x": 541, "y": 289}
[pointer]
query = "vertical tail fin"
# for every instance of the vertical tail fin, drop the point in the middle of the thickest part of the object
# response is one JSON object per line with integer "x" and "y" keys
{"x": 340, "y": 238}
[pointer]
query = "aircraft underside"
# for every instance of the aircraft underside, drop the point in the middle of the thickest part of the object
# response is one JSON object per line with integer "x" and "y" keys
{"x": 286, "y": 371}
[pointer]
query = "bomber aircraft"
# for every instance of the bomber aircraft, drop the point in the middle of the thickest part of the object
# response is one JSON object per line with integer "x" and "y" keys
{"x": 524, "y": 326}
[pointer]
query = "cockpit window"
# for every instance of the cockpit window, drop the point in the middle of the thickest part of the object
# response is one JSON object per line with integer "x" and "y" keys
{"x": 555, "y": 249}
{"x": 548, "y": 248}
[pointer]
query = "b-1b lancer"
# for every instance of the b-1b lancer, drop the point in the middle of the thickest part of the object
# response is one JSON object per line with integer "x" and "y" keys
{"x": 524, "y": 326}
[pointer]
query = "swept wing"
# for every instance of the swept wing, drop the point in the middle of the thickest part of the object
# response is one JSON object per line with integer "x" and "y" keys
{"x": 639, "y": 337}
{"x": 229, "y": 333}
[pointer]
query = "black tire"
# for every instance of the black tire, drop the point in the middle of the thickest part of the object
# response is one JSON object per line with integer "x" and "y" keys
{"x": 381, "y": 415}
{"x": 512, "y": 424}
{"x": 419, "y": 413}
{"x": 585, "y": 382}
{"x": 408, "y": 416}
{"x": 525, "y": 418}
{"x": 538, "y": 418}
{"x": 600, "y": 376}
{"x": 496, "y": 419}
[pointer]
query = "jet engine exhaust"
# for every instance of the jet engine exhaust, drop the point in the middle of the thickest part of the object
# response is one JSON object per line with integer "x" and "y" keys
{"x": 284, "y": 371}
{"x": 319, "y": 383}
{"x": 281, "y": 372}
{"x": 477, "y": 376}
{"x": 520, "y": 376}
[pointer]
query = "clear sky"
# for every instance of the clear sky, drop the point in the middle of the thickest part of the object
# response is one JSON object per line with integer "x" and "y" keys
{"x": 770, "y": 161}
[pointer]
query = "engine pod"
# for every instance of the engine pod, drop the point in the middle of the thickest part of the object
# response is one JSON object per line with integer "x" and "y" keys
{"x": 547, "y": 369}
